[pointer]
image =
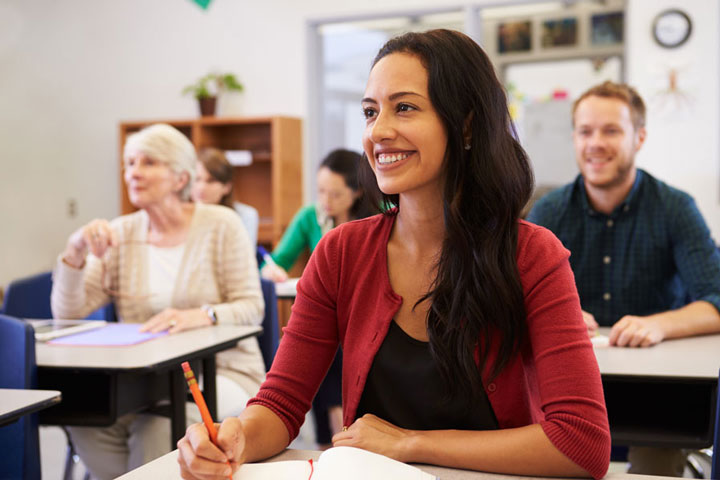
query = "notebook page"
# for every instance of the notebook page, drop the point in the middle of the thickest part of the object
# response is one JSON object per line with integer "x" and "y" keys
{"x": 287, "y": 470}
{"x": 348, "y": 463}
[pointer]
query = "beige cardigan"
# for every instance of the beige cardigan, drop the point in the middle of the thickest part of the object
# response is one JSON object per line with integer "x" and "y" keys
{"x": 218, "y": 268}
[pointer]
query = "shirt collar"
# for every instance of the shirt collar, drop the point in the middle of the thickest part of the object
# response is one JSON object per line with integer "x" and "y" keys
{"x": 325, "y": 222}
{"x": 629, "y": 202}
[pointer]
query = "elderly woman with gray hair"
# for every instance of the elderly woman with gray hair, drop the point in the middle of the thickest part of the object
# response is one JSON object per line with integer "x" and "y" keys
{"x": 172, "y": 265}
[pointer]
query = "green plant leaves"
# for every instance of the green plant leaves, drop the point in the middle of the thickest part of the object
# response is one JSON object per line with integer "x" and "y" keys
{"x": 212, "y": 84}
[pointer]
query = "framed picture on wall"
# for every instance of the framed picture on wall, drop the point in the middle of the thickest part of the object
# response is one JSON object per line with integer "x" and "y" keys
{"x": 607, "y": 28}
{"x": 559, "y": 33}
{"x": 514, "y": 37}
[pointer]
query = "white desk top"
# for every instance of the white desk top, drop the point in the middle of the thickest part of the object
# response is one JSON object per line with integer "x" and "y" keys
{"x": 144, "y": 355}
{"x": 166, "y": 468}
{"x": 17, "y": 402}
{"x": 695, "y": 357}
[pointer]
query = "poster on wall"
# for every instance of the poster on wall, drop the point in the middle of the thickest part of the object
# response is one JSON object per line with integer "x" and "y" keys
{"x": 559, "y": 33}
{"x": 514, "y": 37}
{"x": 607, "y": 28}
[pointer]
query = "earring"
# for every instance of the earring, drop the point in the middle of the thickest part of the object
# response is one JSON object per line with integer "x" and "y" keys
{"x": 467, "y": 146}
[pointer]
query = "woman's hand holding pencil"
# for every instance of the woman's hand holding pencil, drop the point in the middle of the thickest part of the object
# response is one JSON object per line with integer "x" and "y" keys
{"x": 206, "y": 450}
{"x": 204, "y": 454}
{"x": 200, "y": 458}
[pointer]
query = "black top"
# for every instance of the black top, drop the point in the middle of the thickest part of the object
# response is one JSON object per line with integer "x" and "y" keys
{"x": 404, "y": 387}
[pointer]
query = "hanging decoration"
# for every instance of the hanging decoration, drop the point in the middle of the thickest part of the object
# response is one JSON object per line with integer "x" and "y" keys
{"x": 203, "y": 3}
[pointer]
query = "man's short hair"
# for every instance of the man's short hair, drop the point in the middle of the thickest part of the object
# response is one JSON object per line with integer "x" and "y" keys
{"x": 622, "y": 92}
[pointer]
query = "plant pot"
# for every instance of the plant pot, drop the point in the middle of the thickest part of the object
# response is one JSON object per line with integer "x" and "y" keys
{"x": 207, "y": 106}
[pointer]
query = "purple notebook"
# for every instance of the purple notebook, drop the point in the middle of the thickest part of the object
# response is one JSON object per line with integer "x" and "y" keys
{"x": 111, "y": 335}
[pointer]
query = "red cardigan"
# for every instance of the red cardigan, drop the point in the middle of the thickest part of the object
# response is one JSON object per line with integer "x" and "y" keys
{"x": 345, "y": 297}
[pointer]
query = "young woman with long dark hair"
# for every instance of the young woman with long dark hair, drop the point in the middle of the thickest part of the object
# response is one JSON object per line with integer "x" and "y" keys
{"x": 461, "y": 329}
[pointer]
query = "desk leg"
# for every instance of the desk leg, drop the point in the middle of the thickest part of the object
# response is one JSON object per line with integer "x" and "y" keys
{"x": 177, "y": 405}
{"x": 210, "y": 385}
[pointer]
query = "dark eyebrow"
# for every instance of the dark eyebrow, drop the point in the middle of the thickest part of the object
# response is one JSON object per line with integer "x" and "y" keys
{"x": 394, "y": 96}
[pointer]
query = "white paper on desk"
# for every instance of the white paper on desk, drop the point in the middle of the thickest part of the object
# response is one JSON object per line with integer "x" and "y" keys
{"x": 288, "y": 288}
{"x": 346, "y": 463}
{"x": 111, "y": 335}
{"x": 239, "y": 158}
{"x": 287, "y": 470}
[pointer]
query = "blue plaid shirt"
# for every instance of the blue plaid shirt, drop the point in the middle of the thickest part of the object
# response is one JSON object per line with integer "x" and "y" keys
{"x": 651, "y": 254}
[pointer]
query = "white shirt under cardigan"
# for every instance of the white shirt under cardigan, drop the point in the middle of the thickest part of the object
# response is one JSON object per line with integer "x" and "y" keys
{"x": 218, "y": 268}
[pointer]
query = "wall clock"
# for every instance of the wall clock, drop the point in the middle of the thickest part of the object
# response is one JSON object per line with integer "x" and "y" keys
{"x": 671, "y": 28}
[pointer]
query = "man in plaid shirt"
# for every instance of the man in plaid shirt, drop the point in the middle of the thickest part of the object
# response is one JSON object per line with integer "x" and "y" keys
{"x": 642, "y": 255}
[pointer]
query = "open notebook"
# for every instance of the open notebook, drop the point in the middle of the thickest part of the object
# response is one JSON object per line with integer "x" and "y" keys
{"x": 346, "y": 463}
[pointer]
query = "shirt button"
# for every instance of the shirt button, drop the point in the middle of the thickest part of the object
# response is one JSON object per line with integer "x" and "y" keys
{"x": 606, "y": 296}
{"x": 606, "y": 259}
{"x": 491, "y": 387}
{"x": 610, "y": 223}
{"x": 626, "y": 208}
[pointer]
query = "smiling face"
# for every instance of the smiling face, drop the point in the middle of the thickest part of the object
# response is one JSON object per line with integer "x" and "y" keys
{"x": 149, "y": 181}
{"x": 404, "y": 138}
{"x": 206, "y": 188}
{"x": 606, "y": 142}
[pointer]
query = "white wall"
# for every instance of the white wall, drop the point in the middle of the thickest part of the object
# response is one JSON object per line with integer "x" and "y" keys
{"x": 71, "y": 70}
{"x": 683, "y": 143}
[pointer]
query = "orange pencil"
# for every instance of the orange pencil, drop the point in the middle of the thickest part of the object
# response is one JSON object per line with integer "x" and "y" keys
{"x": 200, "y": 402}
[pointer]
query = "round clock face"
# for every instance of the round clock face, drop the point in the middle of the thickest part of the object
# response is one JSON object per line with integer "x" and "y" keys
{"x": 672, "y": 28}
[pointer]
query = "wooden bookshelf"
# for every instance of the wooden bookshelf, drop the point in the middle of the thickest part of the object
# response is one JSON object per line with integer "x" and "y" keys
{"x": 272, "y": 183}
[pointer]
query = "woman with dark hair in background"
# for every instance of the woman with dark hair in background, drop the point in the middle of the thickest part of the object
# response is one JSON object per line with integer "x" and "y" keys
{"x": 340, "y": 199}
{"x": 213, "y": 185}
{"x": 462, "y": 335}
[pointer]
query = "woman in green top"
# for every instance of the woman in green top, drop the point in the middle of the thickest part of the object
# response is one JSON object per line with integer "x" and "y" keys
{"x": 340, "y": 199}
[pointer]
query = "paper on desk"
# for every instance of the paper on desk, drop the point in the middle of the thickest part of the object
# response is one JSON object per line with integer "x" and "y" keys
{"x": 600, "y": 341}
{"x": 288, "y": 288}
{"x": 112, "y": 335}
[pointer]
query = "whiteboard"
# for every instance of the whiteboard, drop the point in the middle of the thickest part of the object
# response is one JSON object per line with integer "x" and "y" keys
{"x": 547, "y": 138}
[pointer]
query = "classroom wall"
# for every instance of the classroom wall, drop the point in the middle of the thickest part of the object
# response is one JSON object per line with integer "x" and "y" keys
{"x": 70, "y": 71}
{"x": 683, "y": 142}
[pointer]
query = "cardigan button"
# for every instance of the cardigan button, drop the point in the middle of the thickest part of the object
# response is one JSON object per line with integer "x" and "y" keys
{"x": 491, "y": 387}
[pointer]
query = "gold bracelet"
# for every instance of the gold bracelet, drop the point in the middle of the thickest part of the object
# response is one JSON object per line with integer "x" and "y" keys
{"x": 64, "y": 260}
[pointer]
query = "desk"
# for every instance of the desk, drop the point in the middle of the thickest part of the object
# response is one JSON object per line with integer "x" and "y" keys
{"x": 287, "y": 290}
{"x": 100, "y": 384}
{"x": 166, "y": 468}
{"x": 663, "y": 395}
{"x": 14, "y": 403}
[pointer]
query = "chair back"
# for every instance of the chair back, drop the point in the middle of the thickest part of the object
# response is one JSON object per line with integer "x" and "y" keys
{"x": 30, "y": 298}
{"x": 271, "y": 331}
{"x": 19, "y": 441}
{"x": 716, "y": 442}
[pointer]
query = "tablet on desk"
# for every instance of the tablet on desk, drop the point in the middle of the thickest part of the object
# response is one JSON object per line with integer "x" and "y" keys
{"x": 48, "y": 329}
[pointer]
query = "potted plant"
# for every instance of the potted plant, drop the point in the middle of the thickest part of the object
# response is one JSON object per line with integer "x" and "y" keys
{"x": 207, "y": 88}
